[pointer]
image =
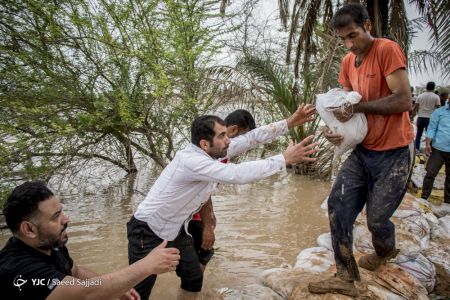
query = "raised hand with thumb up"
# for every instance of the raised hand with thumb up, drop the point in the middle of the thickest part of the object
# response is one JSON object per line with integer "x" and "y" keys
{"x": 162, "y": 259}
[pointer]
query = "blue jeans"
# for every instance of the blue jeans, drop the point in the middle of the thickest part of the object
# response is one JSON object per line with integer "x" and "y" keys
{"x": 422, "y": 123}
{"x": 377, "y": 179}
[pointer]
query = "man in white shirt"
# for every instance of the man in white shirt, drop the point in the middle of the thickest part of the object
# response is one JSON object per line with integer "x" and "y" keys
{"x": 186, "y": 184}
{"x": 426, "y": 103}
{"x": 201, "y": 229}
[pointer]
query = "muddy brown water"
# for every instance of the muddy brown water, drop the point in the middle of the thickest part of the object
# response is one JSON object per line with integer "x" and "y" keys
{"x": 259, "y": 226}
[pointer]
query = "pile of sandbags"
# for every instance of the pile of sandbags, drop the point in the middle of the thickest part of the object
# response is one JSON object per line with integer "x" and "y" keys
{"x": 389, "y": 282}
{"x": 421, "y": 268}
{"x": 419, "y": 172}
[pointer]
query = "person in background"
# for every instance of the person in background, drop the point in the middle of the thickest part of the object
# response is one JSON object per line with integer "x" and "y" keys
{"x": 425, "y": 104}
{"x": 413, "y": 101}
{"x": 377, "y": 171}
{"x": 35, "y": 263}
{"x": 438, "y": 149}
{"x": 444, "y": 97}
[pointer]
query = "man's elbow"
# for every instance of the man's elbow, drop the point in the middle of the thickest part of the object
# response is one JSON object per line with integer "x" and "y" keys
{"x": 405, "y": 103}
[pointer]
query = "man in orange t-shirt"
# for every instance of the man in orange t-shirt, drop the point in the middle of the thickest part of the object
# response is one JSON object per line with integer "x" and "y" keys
{"x": 377, "y": 171}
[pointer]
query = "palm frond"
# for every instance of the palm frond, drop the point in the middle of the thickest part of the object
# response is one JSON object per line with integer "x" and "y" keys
{"x": 293, "y": 30}
{"x": 442, "y": 44}
{"x": 283, "y": 8}
{"x": 273, "y": 80}
{"x": 375, "y": 17}
{"x": 424, "y": 61}
{"x": 327, "y": 13}
{"x": 436, "y": 15}
{"x": 223, "y": 6}
{"x": 398, "y": 25}
{"x": 306, "y": 35}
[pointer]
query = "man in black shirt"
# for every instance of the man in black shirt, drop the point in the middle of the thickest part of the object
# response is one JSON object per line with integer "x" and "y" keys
{"x": 35, "y": 263}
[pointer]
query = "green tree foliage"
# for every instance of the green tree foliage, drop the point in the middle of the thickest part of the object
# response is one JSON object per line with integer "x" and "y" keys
{"x": 108, "y": 79}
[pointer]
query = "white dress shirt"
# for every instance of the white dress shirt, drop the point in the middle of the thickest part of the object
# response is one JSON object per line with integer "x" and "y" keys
{"x": 190, "y": 178}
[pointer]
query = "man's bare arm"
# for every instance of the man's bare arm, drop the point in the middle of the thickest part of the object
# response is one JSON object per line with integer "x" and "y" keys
{"x": 399, "y": 101}
{"x": 82, "y": 273}
{"x": 207, "y": 214}
{"x": 116, "y": 284}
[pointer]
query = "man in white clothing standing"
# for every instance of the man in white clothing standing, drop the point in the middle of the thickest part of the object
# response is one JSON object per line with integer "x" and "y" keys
{"x": 186, "y": 184}
{"x": 426, "y": 103}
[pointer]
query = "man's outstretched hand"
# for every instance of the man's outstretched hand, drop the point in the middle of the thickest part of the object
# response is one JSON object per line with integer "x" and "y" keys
{"x": 301, "y": 151}
{"x": 304, "y": 113}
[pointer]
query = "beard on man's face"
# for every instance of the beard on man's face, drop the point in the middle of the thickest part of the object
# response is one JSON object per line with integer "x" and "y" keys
{"x": 217, "y": 153}
{"x": 50, "y": 241}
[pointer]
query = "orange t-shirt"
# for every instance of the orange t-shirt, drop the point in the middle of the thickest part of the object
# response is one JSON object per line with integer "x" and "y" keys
{"x": 385, "y": 132}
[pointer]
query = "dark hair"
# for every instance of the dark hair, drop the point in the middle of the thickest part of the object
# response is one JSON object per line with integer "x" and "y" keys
{"x": 430, "y": 86}
{"x": 350, "y": 13}
{"x": 23, "y": 202}
{"x": 242, "y": 118}
{"x": 203, "y": 128}
{"x": 443, "y": 94}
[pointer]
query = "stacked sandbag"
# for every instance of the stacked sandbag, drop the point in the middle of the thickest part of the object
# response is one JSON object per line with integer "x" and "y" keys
{"x": 390, "y": 282}
{"x": 284, "y": 280}
{"x": 315, "y": 260}
{"x": 419, "y": 172}
{"x": 422, "y": 266}
{"x": 441, "y": 210}
{"x": 439, "y": 254}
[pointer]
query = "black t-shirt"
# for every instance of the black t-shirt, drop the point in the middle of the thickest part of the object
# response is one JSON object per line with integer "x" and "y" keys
{"x": 26, "y": 273}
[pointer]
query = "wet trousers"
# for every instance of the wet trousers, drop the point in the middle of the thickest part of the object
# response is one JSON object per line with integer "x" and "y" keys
{"x": 377, "y": 179}
{"x": 434, "y": 164}
{"x": 142, "y": 240}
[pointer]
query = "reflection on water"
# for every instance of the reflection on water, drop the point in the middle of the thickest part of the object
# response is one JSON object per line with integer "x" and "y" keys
{"x": 259, "y": 226}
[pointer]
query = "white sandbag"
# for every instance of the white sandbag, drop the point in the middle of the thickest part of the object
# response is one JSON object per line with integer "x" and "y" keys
{"x": 439, "y": 254}
{"x": 440, "y": 231}
{"x": 324, "y": 240}
{"x": 283, "y": 281}
{"x": 444, "y": 223}
{"x": 354, "y": 130}
{"x": 419, "y": 226}
{"x": 397, "y": 280}
{"x": 314, "y": 260}
{"x": 404, "y": 213}
{"x": 422, "y": 269}
{"x": 408, "y": 244}
{"x": 440, "y": 210}
{"x": 419, "y": 173}
{"x": 362, "y": 239}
